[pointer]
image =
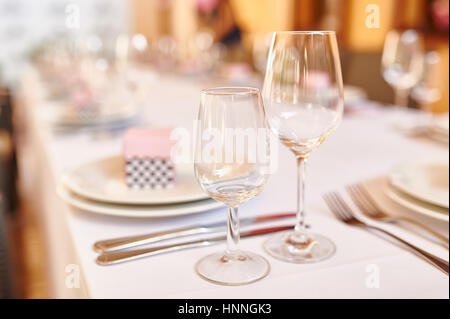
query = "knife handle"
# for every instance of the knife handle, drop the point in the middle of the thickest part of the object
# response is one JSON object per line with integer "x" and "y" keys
{"x": 129, "y": 255}
{"x": 440, "y": 263}
{"x": 110, "y": 245}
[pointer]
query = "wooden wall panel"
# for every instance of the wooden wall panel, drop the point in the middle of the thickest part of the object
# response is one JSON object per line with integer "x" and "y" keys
{"x": 358, "y": 36}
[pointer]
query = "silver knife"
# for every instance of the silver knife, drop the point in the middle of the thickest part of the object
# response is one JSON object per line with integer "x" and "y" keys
{"x": 133, "y": 241}
{"x": 111, "y": 258}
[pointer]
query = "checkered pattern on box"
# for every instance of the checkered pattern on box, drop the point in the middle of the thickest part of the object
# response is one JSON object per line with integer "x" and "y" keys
{"x": 146, "y": 173}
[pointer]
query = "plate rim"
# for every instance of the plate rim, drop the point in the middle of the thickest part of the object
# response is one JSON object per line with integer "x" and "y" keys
{"x": 96, "y": 207}
{"x": 66, "y": 181}
{"x": 397, "y": 197}
{"x": 437, "y": 121}
{"x": 408, "y": 191}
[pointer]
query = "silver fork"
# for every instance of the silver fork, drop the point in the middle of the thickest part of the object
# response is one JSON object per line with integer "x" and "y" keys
{"x": 370, "y": 208}
{"x": 343, "y": 212}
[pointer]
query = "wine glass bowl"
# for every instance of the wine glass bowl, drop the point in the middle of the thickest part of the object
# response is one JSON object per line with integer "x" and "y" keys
{"x": 302, "y": 86}
{"x": 232, "y": 165}
{"x": 303, "y": 97}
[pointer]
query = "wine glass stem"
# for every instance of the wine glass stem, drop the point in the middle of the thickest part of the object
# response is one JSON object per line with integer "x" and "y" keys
{"x": 300, "y": 227}
{"x": 233, "y": 236}
{"x": 401, "y": 97}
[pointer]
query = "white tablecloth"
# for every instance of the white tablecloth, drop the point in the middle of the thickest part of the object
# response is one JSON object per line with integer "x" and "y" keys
{"x": 366, "y": 145}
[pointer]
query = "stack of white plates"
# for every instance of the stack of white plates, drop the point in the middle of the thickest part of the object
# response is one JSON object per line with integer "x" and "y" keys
{"x": 422, "y": 187}
{"x": 55, "y": 113}
{"x": 99, "y": 187}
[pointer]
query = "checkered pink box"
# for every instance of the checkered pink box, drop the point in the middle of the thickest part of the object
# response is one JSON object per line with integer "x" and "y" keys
{"x": 148, "y": 164}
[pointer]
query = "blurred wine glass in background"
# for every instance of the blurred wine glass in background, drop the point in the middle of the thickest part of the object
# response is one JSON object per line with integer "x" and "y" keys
{"x": 166, "y": 53}
{"x": 261, "y": 48}
{"x": 428, "y": 91}
{"x": 139, "y": 45}
{"x": 130, "y": 50}
{"x": 402, "y": 63}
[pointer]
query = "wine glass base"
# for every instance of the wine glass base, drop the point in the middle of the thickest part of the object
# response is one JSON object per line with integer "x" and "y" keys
{"x": 239, "y": 269}
{"x": 315, "y": 249}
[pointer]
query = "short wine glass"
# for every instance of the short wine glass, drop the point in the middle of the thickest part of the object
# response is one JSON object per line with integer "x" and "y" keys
{"x": 232, "y": 165}
{"x": 303, "y": 97}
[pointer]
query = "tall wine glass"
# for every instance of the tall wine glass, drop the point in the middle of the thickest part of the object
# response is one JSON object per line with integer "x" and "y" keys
{"x": 232, "y": 165}
{"x": 303, "y": 97}
{"x": 402, "y": 63}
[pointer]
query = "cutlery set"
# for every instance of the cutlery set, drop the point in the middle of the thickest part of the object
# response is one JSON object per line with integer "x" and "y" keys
{"x": 113, "y": 251}
{"x": 370, "y": 209}
{"x": 344, "y": 213}
{"x": 128, "y": 242}
{"x": 109, "y": 258}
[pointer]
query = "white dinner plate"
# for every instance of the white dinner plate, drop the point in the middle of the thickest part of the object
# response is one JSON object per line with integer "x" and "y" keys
{"x": 439, "y": 128}
{"x": 438, "y": 136}
{"x": 104, "y": 180}
{"x": 137, "y": 210}
{"x": 426, "y": 181}
{"x": 417, "y": 206}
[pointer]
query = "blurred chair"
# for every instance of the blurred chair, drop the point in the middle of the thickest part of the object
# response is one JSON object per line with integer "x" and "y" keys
{"x": 8, "y": 165}
{"x": 5, "y": 278}
{"x": 7, "y": 188}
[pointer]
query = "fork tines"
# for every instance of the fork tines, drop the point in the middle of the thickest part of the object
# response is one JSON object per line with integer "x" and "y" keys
{"x": 363, "y": 200}
{"x": 338, "y": 207}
